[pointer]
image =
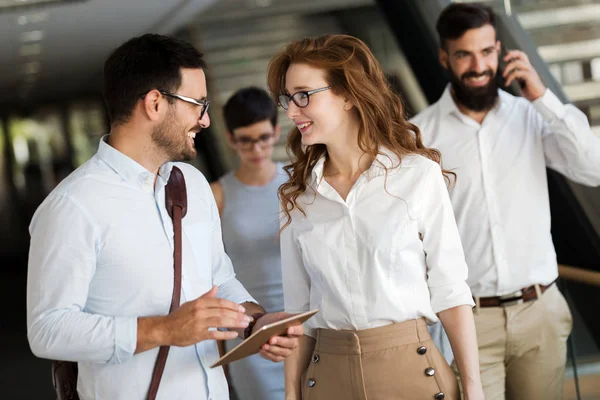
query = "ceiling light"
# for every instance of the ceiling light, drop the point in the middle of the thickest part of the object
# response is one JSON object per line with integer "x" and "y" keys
{"x": 32, "y": 67}
{"x": 28, "y": 50}
{"x": 32, "y": 36}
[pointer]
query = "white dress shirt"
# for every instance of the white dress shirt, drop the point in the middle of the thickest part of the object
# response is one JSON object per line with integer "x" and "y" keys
{"x": 501, "y": 198}
{"x": 101, "y": 256}
{"x": 390, "y": 253}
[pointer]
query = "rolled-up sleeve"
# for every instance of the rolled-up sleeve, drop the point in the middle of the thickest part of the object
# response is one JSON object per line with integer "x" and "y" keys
{"x": 446, "y": 266}
{"x": 62, "y": 263}
{"x": 295, "y": 279}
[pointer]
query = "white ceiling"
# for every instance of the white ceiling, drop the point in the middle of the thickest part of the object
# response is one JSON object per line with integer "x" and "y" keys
{"x": 76, "y": 39}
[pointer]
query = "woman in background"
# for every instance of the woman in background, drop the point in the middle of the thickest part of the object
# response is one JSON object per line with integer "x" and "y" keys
{"x": 248, "y": 205}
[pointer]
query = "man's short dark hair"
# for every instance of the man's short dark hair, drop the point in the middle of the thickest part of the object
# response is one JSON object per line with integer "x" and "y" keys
{"x": 141, "y": 64}
{"x": 249, "y": 106}
{"x": 458, "y": 18}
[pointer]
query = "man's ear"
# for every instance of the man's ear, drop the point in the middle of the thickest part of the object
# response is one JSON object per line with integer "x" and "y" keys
{"x": 152, "y": 106}
{"x": 443, "y": 57}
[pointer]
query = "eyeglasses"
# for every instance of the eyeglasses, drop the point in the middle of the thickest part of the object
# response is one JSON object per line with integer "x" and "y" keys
{"x": 246, "y": 143}
{"x": 299, "y": 98}
{"x": 200, "y": 103}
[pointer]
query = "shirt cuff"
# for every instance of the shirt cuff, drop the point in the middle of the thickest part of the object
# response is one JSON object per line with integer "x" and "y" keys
{"x": 549, "y": 106}
{"x": 449, "y": 296}
{"x": 125, "y": 339}
{"x": 234, "y": 291}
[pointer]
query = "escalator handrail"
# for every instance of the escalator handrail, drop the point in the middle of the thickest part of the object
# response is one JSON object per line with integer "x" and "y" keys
{"x": 577, "y": 274}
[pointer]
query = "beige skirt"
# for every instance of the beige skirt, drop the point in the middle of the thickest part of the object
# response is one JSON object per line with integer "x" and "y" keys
{"x": 397, "y": 361}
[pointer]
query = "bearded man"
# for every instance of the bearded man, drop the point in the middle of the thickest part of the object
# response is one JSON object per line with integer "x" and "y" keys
{"x": 499, "y": 147}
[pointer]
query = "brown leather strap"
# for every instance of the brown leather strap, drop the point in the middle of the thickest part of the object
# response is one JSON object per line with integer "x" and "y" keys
{"x": 176, "y": 204}
{"x": 528, "y": 294}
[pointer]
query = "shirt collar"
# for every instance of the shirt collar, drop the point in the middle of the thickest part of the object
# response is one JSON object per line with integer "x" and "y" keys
{"x": 128, "y": 169}
{"x": 317, "y": 171}
{"x": 505, "y": 99}
{"x": 448, "y": 105}
{"x": 385, "y": 160}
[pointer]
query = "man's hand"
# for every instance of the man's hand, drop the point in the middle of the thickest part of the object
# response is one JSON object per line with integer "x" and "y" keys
{"x": 518, "y": 67}
{"x": 190, "y": 322}
{"x": 278, "y": 347}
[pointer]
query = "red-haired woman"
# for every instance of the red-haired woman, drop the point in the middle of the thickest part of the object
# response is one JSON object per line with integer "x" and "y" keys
{"x": 369, "y": 236}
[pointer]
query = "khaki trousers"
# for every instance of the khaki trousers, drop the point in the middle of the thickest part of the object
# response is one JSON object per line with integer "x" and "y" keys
{"x": 523, "y": 349}
{"x": 394, "y": 362}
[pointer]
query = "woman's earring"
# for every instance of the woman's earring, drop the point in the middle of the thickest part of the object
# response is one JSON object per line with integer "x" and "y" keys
{"x": 346, "y": 106}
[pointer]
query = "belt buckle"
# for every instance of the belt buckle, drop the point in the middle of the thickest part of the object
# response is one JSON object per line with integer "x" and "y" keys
{"x": 511, "y": 299}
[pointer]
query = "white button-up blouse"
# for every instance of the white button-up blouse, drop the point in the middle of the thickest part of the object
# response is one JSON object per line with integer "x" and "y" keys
{"x": 390, "y": 253}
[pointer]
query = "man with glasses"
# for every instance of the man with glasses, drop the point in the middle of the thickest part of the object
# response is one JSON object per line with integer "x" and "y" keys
{"x": 100, "y": 275}
{"x": 249, "y": 209}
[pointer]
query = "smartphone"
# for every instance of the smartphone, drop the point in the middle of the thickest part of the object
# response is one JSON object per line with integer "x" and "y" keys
{"x": 517, "y": 85}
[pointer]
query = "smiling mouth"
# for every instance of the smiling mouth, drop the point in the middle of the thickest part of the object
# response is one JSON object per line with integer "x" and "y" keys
{"x": 477, "y": 79}
{"x": 303, "y": 127}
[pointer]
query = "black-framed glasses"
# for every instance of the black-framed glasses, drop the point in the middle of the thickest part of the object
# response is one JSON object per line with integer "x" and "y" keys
{"x": 299, "y": 98}
{"x": 246, "y": 143}
{"x": 200, "y": 103}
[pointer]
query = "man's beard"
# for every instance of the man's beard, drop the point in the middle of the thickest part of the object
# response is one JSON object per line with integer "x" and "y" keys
{"x": 474, "y": 98}
{"x": 172, "y": 139}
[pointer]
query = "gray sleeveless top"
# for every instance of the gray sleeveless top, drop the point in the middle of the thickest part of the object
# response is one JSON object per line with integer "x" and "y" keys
{"x": 250, "y": 224}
